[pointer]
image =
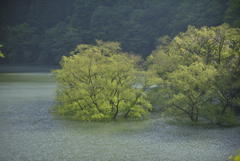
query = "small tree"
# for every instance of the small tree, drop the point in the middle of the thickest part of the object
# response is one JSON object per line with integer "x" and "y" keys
{"x": 99, "y": 82}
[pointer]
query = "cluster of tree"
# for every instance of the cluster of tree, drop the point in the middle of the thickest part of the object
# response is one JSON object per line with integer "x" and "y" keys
{"x": 200, "y": 72}
{"x": 196, "y": 74}
{"x": 36, "y": 31}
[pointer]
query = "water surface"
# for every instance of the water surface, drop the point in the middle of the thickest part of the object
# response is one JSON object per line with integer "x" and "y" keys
{"x": 29, "y": 132}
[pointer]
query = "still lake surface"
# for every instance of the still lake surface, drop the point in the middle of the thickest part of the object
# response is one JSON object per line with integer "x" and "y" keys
{"x": 29, "y": 132}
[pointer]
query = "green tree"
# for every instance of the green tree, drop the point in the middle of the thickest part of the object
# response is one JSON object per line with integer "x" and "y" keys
{"x": 13, "y": 12}
{"x": 214, "y": 45}
{"x": 1, "y": 55}
{"x": 43, "y": 15}
{"x": 146, "y": 21}
{"x": 135, "y": 24}
{"x": 198, "y": 14}
{"x": 218, "y": 46}
{"x": 105, "y": 22}
{"x": 189, "y": 89}
{"x": 21, "y": 44}
{"x": 99, "y": 82}
{"x": 235, "y": 156}
{"x": 232, "y": 13}
{"x": 215, "y": 48}
{"x": 58, "y": 41}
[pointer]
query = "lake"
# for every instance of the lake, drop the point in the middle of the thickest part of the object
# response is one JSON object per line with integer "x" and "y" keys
{"x": 29, "y": 132}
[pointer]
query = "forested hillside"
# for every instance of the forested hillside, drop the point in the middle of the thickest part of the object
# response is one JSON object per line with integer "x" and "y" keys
{"x": 42, "y": 31}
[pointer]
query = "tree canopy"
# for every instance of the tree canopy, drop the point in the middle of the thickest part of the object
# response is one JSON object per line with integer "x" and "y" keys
{"x": 199, "y": 69}
{"x": 35, "y": 31}
{"x": 99, "y": 82}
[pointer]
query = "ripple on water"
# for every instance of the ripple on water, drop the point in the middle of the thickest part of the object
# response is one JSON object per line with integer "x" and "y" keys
{"x": 29, "y": 132}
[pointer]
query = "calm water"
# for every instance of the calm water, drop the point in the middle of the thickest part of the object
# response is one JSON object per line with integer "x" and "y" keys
{"x": 29, "y": 132}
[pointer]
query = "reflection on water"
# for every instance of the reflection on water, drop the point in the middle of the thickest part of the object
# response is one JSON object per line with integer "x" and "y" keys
{"x": 29, "y": 132}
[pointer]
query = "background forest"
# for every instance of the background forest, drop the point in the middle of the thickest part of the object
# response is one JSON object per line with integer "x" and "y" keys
{"x": 42, "y": 31}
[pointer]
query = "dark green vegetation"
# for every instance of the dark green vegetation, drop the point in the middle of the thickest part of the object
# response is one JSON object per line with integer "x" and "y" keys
{"x": 37, "y": 31}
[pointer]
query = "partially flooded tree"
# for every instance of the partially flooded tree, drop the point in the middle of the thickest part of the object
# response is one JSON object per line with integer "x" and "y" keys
{"x": 100, "y": 82}
{"x": 214, "y": 50}
{"x": 189, "y": 89}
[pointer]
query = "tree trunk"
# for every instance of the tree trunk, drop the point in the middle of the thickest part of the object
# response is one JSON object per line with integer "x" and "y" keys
{"x": 125, "y": 116}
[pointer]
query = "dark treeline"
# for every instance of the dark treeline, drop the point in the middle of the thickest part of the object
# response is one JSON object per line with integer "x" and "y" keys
{"x": 42, "y": 31}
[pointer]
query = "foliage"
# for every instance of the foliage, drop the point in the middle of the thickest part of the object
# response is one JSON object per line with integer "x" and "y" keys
{"x": 58, "y": 41}
{"x": 197, "y": 13}
{"x": 235, "y": 156}
{"x": 213, "y": 44}
{"x": 1, "y": 55}
{"x": 21, "y": 44}
{"x": 99, "y": 82}
{"x": 232, "y": 13}
{"x": 213, "y": 52}
{"x": 188, "y": 90}
{"x": 57, "y": 26}
{"x": 45, "y": 15}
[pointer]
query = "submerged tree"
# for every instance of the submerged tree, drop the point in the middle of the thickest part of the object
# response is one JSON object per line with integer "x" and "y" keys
{"x": 215, "y": 51}
{"x": 99, "y": 82}
{"x": 189, "y": 89}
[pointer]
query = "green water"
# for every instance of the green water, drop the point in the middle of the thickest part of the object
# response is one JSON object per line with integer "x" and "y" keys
{"x": 29, "y": 132}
